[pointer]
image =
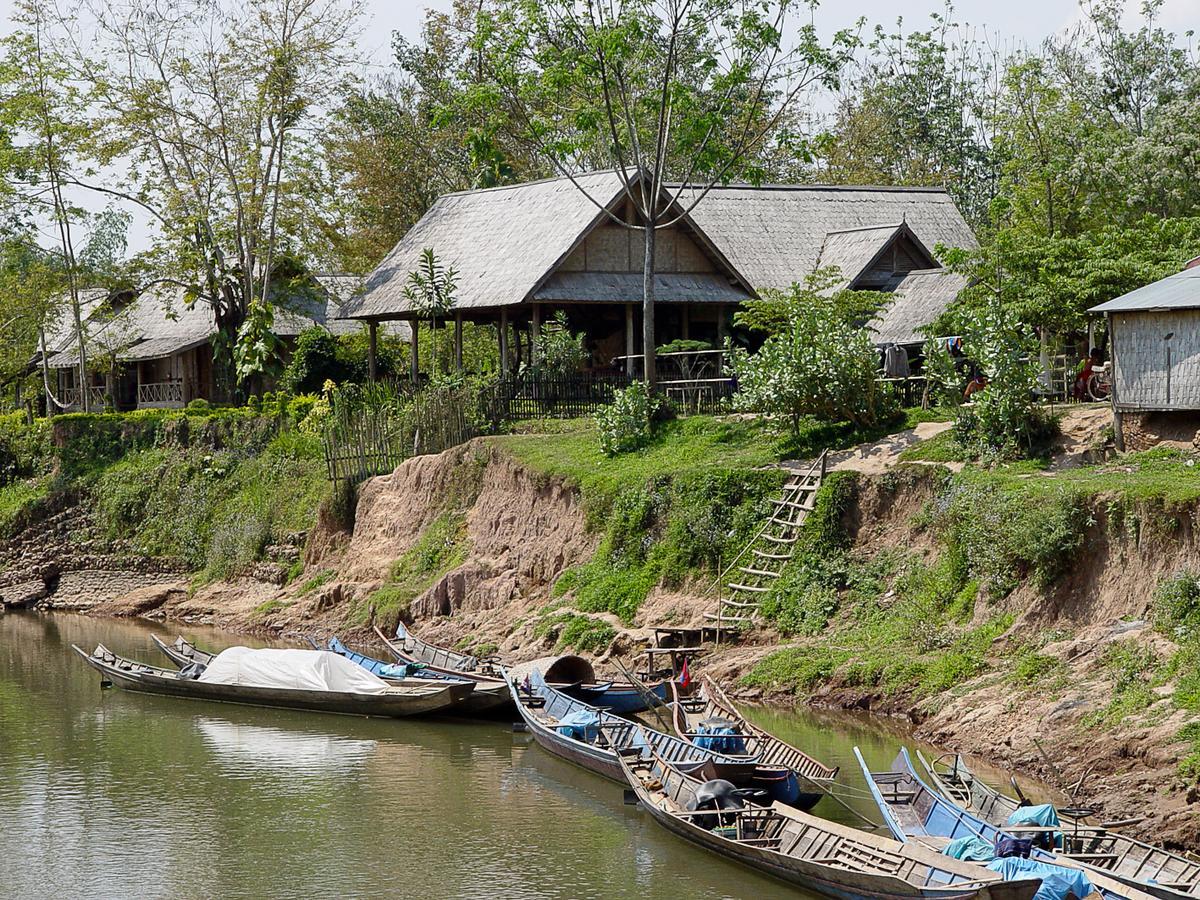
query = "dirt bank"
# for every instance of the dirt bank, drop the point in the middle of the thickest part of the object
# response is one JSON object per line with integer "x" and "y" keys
{"x": 512, "y": 531}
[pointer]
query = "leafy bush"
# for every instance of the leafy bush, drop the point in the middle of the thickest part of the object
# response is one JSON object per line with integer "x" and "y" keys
{"x": 559, "y": 353}
{"x": 1177, "y": 606}
{"x": 198, "y": 405}
{"x": 584, "y": 634}
{"x": 625, "y": 424}
{"x": 25, "y": 449}
{"x": 817, "y": 364}
{"x": 795, "y": 668}
{"x": 320, "y": 357}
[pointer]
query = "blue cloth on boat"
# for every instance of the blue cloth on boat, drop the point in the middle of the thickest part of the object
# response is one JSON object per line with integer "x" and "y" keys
{"x": 970, "y": 848}
{"x": 1043, "y": 814}
{"x": 1058, "y": 882}
{"x": 581, "y": 724}
{"x": 720, "y": 739}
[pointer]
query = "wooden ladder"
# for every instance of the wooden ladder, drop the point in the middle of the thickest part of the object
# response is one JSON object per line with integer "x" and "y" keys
{"x": 755, "y": 569}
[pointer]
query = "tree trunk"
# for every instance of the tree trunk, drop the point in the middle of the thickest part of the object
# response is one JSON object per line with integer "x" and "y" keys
{"x": 648, "y": 307}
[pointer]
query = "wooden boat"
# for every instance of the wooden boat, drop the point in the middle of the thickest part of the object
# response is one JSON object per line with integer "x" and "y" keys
{"x": 913, "y": 811}
{"x": 818, "y": 855}
{"x": 620, "y": 697}
{"x": 546, "y": 711}
{"x": 709, "y": 719}
{"x": 182, "y": 653}
{"x": 471, "y": 697}
{"x": 1127, "y": 859}
{"x": 395, "y": 702}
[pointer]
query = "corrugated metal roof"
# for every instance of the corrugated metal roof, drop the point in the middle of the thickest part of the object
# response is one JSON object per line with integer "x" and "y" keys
{"x": 920, "y": 298}
{"x": 1178, "y": 291}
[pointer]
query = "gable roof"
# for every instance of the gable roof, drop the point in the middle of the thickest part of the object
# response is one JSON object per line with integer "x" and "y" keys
{"x": 774, "y": 234}
{"x": 856, "y": 250}
{"x": 1178, "y": 291}
{"x": 502, "y": 241}
{"x": 920, "y": 298}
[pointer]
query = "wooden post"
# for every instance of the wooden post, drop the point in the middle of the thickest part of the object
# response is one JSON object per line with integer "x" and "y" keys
{"x": 720, "y": 326}
{"x": 503, "y": 342}
{"x": 535, "y": 339}
{"x": 413, "y": 347}
{"x": 685, "y": 322}
{"x": 372, "y": 349}
{"x": 458, "y": 356}
{"x": 1118, "y": 423}
{"x": 629, "y": 348}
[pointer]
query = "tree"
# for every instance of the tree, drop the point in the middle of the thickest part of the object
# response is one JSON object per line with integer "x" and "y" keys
{"x": 209, "y": 113}
{"x": 817, "y": 361}
{"x": 696, "y": 92}
{"x": 430, "y": 290}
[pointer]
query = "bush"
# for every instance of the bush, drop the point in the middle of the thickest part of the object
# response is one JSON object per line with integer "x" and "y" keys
{"x": 1177, "y": 606}
{"x": 625, "y": 424}
{"x": 198, "y": 405}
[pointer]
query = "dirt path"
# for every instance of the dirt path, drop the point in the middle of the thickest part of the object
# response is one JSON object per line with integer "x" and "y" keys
{"x": 877, "y": 458}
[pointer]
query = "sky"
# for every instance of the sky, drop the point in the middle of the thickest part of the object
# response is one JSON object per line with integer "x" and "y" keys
{"x": 1006, "y": 22}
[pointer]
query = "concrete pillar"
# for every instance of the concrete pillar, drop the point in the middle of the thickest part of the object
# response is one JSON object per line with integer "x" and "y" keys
{"x": 629, "y": 346}
{"x": 458, "y": 353}
{"x": 504, "y": 343}
{"x": 372, "y": 349}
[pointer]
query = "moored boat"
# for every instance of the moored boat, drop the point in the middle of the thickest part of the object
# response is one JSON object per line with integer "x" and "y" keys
{"x": 814, "y": 853}
{"x": 182, "y": 652}
{"x": 1127, "y": 859}
{"x": 471, "y": 697}
{"x": 370, "y": 696}
{"x": 913, "y": 811}
{"x": 592, "y": 737}
{"x": 709, "y": 719}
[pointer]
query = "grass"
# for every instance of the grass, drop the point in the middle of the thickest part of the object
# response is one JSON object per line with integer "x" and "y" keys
{"x": 317, "y": 582}
{"x": 263, "y": 610}
{"x": 442, "y": 546}
{"x": 584, "y": 634}
{"x": 1135, "y": 671}
{"x": 17, "y": 499}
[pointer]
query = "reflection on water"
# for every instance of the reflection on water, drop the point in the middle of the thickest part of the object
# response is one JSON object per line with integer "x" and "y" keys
{"x": 247, "y": 751}
{"x": 111, "y": 794}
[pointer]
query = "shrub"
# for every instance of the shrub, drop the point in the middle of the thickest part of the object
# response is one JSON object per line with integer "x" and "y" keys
{"x": 560, "y": 353}
{"x": 1177, "y": 606}
{"x": 625, "y": 424}
{"x": 198, "y": 405}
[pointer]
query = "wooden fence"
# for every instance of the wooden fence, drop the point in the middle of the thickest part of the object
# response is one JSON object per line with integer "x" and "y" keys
{"x": 562, "y": 397}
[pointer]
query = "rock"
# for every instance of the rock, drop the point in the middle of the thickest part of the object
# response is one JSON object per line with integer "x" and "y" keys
{"x": 141, "y": 601}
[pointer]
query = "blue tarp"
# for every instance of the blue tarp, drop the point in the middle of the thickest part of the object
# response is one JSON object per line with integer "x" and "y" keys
{"x": 720, "y": 739}
{"x": 1058, "y": 883}
{"x": 582, "y": 724}
{"x": 1043, "y": 814}
{"x": 972, "y": 849}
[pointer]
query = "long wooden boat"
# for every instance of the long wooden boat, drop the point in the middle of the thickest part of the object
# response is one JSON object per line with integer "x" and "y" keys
{"x": 546, "y": 710}
{"x": 709, "y": 718}
{"x": 471, "y": 697}
{"x": 181, "y": 652}
{"x": 813, "y": 853}
{"x": 618, "y": 696}
{"x": 395, "y": 702}
{"x": 1127, "y": 859}
{"x": 913, "y": 811}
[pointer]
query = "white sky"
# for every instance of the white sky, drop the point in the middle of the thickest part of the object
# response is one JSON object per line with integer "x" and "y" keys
{"x": 1008, "y": 22}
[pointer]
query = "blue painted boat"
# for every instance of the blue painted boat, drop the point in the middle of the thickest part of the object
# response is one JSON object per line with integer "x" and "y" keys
{"x": 480, "y": 699}
{"x": 913, "y": 811}
{"x": 618, "y": 697}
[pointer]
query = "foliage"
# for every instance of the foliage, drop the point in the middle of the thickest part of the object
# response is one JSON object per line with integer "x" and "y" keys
{"x": 1134, "y": 670}
{"x": 1003, "y": 419}
{"x": 625, "y": 424}
{"x": 25, "y": 449}
{"x": 320, "y": 357}
{"x": 1177, "y": 606}
{"x": 559, "y": 353}
{"x": 580, "y": 633}
{"x": 818, "y": 364}
{"x": 430, "y": 291}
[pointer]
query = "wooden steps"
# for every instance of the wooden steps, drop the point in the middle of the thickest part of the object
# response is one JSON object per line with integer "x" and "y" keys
{"x": 771, "y": 549}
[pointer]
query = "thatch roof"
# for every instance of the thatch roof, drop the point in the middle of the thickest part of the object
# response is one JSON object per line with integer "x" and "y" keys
{"x": 626, "y": 287}
{"x": 774, "y": 234}
{"x": 1178, "y": 291}
{"x": 920, "y": 298}
{"x": 856, "y": 250}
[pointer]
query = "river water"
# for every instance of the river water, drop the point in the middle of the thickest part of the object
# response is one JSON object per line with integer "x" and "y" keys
{"x": 108, "y": 794}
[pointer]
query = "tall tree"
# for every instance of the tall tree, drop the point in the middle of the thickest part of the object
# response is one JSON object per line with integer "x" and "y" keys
{"x": 209, "y": 113}
{"x": 690, "y": 92}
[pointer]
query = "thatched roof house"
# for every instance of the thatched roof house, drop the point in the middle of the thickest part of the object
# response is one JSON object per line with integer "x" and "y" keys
{"x": 522, "y": 250}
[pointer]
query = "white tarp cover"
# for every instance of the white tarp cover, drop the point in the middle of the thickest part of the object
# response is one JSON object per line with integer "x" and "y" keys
{"x": 304, "y": 670}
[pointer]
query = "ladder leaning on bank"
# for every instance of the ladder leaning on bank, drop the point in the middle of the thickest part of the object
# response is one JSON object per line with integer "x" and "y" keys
{"x": 760, "y": 563}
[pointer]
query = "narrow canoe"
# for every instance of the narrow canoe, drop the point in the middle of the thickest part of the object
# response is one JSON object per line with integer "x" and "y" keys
{"x": 1155, "y": 870}
{"x": 804, "y": 850}
{"x": 395, "y": 702}
{"x": 914, "y": 811}
{"x": 181, "y": 652}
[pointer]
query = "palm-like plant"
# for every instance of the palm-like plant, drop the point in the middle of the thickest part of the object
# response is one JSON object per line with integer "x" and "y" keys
{"x": 430, "y": 291}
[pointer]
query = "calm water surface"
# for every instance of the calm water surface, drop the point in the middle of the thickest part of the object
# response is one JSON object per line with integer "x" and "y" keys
{"x": 109, "y": 794}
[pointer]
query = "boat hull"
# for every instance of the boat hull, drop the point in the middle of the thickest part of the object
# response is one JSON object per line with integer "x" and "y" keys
{"x": 343, "y": 703}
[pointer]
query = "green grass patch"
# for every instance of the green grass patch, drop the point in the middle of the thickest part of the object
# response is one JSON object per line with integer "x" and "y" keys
{"x": 1135, "y": 671}
{"x": 317, "y": 582}
{"x": 1189, "y": 764}
{"x": 263, "y": 610}
{"x": 939, "y": 448}
{"x": 1033, "y": 669}
{"x": 442, "y": 546}
{"x": 583, "y": 634}
{"x": 18, "y": 499}
{"x": 796, "y": 669}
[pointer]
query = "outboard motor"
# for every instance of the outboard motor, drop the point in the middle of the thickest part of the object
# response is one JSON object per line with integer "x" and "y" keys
{"x": 717, "y": 795}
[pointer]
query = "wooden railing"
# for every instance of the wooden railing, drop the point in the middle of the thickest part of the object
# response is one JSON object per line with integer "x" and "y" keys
{"x": 160, "y": 393}
{"x": 537, "y": 396}
{"x": 71, "y": 398}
